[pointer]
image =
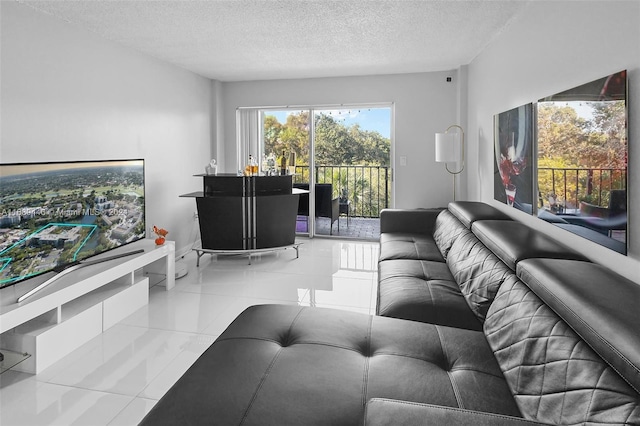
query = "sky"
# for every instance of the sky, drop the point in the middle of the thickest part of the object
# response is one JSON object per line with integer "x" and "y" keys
{"x": 372, "y": 119}
{"x": 18, "y": 169}
{"x": 583, "y": 109}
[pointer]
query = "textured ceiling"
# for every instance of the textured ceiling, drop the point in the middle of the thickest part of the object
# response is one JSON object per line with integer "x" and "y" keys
{"x": 271, "y": 39}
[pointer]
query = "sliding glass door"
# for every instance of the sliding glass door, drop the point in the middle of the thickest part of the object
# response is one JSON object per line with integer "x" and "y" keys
{"x": 342, "y": 156}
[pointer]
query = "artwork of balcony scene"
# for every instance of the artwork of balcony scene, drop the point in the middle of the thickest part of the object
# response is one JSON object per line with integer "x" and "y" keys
{"x": 582, "y": 159}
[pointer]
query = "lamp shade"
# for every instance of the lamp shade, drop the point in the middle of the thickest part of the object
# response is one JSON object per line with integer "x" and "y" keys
{"x": 447, "y": 148}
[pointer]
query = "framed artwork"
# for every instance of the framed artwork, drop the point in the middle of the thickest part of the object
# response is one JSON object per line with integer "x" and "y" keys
{"x": 513, "y": 165}
{"x": 582, "y": 160}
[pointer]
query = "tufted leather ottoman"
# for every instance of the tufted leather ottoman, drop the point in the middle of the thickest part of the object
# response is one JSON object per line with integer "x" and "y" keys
{"x": 279, "y": 364}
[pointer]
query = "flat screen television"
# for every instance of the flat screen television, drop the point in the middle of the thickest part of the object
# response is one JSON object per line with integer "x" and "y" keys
{"x": 55, "y": 215}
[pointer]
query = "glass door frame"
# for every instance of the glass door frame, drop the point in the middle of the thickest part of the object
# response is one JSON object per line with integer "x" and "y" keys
{"x": 312, "y": 109}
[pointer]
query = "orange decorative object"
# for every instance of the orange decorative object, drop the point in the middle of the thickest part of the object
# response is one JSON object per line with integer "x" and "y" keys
{"x": 161, "y": 234}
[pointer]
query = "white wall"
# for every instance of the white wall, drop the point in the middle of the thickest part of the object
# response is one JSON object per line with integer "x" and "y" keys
{"x": 68, "y": 94}
{"x": 425, "y": 103}
{"x": 550, "y": 47}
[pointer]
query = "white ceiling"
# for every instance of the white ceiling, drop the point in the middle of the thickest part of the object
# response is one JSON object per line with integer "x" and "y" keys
{"x": 236, "y": 40}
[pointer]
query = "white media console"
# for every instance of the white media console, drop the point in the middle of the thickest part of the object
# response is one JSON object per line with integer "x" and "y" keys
{"x": 80, "y": 305}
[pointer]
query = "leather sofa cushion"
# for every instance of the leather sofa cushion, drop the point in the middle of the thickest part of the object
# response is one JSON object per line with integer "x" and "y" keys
{"x": 401, "y": 245}
{"x": 448, "y": 229}
{"x": 470, "y": 211}
{"x": 418, "y": 221}
{"x": 478, "y": 272}
{"x": 423, "y": 291}
{"x": 292, "y": 365}
{"x": 514, "y": 241}
{"x": 572, "y": 289}
{"x": 389, "y": 412}
{"x": 554, "y": 375}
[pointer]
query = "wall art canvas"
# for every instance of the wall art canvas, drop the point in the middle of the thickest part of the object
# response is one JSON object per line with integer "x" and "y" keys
{"x": 513, "y": 148}
{"x": 582, "y": 160}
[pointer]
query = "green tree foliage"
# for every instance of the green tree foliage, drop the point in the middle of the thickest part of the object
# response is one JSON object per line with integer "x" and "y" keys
{"x": 569, "y": 142}
{"x": 610, "y": 119}
{"x": 291, "y": 136}
{"x": 561, "y": 133}
{"x": 335, "y": 143}
{"x": 596, "y": 143}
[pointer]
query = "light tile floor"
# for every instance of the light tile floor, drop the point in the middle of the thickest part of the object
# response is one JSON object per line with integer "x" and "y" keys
{"x": 117, "y": 377}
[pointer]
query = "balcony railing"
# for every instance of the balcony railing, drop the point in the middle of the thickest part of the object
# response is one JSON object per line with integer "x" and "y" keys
{"x": 367, "y": 188}
{"x": 572, "y": 185}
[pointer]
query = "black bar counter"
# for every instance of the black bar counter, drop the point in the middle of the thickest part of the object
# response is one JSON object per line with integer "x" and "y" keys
{"x": 246, "y": 212}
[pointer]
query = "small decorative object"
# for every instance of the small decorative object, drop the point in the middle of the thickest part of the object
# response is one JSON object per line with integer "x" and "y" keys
{"x": 283, "y": 164}
{"x": 251, "y": 169}
{"x": 254, "y": 165}
{"x": 292, "y": 163}
{"x": 344, "y": 196}
{"x": 161, "y": 233}
{"x": 212, "y": 167}
{"x": 271, "y": 164}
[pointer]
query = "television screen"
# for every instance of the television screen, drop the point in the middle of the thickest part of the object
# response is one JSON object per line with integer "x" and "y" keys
{"x": 55, "y": 214}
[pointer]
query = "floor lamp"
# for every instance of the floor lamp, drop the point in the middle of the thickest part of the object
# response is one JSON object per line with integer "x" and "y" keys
{"x": 450, "y": 149}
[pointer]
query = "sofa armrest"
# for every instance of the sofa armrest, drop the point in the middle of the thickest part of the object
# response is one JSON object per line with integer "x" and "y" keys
{"x": 408, "y": 220}
{"x": 386, "y": 412}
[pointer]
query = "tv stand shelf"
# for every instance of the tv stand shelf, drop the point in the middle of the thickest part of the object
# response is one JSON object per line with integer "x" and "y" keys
{"x": 80, "y": 305}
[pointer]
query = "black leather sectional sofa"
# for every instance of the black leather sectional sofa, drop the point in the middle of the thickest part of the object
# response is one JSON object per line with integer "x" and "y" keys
{"x": 481, "y": 320}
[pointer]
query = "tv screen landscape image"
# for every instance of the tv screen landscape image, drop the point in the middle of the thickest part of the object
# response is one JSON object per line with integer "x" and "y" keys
{"x": 53, "y": 215}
